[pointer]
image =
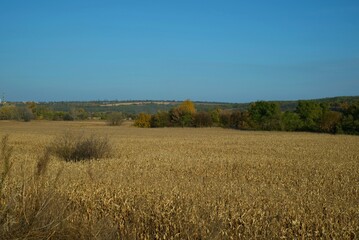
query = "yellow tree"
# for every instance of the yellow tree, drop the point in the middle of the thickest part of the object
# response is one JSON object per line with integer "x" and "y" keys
{"x": 143, "y": 120}
{"x": 187, "y": 107}
{"x": 183, "y": 114}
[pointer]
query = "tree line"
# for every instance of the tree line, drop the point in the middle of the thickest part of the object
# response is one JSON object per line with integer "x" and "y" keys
{"x": 309, "y": 116}
{"x": 261, "y": 115}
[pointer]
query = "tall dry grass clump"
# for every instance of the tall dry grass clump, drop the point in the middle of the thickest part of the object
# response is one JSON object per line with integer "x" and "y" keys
{"x": 6, "y": 151}
{"x": 79, "y": 146}
{"x": 30, "y": 207}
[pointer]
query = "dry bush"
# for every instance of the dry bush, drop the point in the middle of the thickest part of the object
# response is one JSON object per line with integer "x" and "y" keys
{"x": 77, "y": 147}
{"x": 115, "y": 119}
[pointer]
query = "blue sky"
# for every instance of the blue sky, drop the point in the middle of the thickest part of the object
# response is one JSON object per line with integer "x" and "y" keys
{"x": 230, "y": 51}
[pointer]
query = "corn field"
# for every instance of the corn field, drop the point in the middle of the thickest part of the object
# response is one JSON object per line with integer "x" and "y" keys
{"x": 179, "y": 183}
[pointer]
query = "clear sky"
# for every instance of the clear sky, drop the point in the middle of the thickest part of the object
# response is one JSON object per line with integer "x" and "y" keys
{"x": 231, "y": 51}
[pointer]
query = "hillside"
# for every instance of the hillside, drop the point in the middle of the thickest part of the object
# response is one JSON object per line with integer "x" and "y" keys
{"x": 153, "y": 106}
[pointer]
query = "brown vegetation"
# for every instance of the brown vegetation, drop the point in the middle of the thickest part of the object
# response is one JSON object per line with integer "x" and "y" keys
{"x": 182, "y": 184}
{"x": 78, "y": 146}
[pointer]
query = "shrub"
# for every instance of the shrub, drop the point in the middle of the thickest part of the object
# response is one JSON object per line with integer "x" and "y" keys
{"x": 9, "y": 112}
{"x": 68, "y": 117}
{"x": 79, "y": 114}
{"x": 225, "y": 119}
{"x": 245, "y": 121}
{"x": 115, "y": 119}
{"x": 161, "y": 119}
{"x": 235, "y": 120}
{"x": 25, "y": 114}
{"x": 143, "y": 120}
{"x": 202, "y": 119}
{"x": 77, "y": 147}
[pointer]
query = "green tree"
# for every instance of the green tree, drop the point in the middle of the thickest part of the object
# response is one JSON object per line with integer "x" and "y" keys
{"x": 350, "y": 122}
{"x": 160, "y": 119}
{"x": 291, "y": 121}
{"x": 310, "y": 113}
{"x": 265, "y": 115}
{"x": 215, "y": 115}
{"x": 187, "y": 120}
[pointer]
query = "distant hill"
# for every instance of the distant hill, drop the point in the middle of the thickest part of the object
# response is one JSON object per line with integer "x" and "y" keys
{"x": 153, "y": 106}
{"x": 333, "y": 102}
{"x": 135, "y": 107}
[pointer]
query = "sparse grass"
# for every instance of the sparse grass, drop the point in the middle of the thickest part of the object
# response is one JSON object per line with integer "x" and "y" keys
{"x": 191, "y": 184}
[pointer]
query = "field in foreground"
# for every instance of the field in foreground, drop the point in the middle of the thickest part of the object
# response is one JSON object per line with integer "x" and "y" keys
{"x": 182, "y": 184}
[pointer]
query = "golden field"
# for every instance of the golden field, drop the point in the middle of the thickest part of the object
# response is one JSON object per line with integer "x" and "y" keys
{"x": 182, "y": 183}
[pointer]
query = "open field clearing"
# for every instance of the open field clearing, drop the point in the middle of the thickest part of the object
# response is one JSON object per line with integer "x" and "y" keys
{"x": 182, "y": 183}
